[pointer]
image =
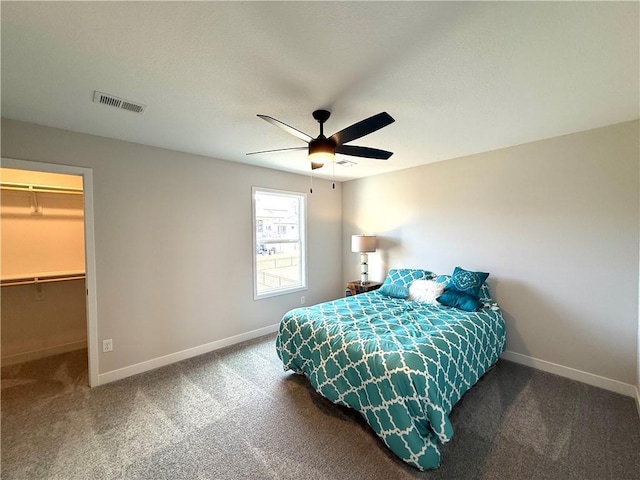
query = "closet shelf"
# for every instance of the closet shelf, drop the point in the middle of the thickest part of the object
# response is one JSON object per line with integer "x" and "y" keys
{"x": 27, "y": 187}
{"x": 44, "y": 278}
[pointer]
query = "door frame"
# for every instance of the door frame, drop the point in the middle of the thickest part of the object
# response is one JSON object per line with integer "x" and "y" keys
{"x": 89, "y": 250}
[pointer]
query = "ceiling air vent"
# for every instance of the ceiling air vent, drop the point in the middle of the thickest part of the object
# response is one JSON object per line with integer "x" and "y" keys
{"x": 117, "y": 102}
{"x": 346, "y": 163}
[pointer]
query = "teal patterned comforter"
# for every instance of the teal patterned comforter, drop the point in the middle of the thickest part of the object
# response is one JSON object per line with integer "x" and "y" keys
{"x": 402, "y": 364}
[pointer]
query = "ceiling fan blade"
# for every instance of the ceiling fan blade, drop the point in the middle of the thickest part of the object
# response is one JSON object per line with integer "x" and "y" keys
{"x": 362, "y": 128}
{"x": 315, "y": 165}
{"x": 366, "y": 152}
{"x": 293, "y": 131}
{"x": 278, "y": 150}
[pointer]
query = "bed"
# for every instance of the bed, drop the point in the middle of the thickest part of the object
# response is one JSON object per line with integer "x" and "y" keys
{"x": 402, "y": 364}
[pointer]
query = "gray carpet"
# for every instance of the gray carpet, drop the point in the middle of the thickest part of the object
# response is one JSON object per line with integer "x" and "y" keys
{"x": 235, "y": 414}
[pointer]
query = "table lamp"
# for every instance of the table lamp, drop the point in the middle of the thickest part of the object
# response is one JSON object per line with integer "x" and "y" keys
{"x": 363, "y": 244}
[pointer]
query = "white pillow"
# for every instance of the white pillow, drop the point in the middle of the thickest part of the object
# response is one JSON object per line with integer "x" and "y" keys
{"x": 425, "y": 291}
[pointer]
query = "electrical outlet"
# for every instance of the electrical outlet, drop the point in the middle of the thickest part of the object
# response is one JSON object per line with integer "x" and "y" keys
{"x": 302, "y": 300}
{"x": 107, "y": 345}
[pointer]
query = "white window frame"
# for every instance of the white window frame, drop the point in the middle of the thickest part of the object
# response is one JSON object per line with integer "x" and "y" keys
{"x": 302, "y": 226}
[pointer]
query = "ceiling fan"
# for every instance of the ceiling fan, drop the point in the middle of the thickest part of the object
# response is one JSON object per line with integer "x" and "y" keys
{"x": 322, "y": 149}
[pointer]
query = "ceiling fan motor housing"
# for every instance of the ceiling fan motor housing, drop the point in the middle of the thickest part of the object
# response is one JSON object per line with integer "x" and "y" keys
{"x": 321, "y": 151}
{"x": 322, "y": 144}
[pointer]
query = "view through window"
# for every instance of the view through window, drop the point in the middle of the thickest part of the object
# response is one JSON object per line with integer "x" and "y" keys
{"x": 279, "y": 227}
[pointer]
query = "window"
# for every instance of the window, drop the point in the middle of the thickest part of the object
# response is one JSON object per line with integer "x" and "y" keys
{"x": 279, "y": 246}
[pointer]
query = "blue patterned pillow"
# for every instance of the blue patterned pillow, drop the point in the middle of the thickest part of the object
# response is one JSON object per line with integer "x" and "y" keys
{"x": 395, "y": 290}
{"x": 459, "y": 300}
{"x": 465, "y": 281}
{"x": 406, "y": 276}
{"x": 485, "y": 292}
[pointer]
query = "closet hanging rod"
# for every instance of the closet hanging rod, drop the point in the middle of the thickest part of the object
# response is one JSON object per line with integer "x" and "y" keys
{"x": 42, "y": 279}
{"x": 28, "y": 187}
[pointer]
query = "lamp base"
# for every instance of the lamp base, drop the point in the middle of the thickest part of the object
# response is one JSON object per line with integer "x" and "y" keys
{"x": 364, "y": 268}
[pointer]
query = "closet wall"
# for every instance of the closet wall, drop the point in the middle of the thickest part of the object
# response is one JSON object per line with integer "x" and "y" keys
{"x": 42, "y": 270}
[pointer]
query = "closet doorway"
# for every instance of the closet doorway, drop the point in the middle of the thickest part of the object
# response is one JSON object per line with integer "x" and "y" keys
{"x": 48, "y": 263}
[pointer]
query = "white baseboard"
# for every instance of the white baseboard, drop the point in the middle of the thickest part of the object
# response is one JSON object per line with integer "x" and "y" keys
{"x": 638, "y": 399}
{"x": 45, "y": 352}
{"x": 568, "y": 372}
{"x": 158, "y": 362}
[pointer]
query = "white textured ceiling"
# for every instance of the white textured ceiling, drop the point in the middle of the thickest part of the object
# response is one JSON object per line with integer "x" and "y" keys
{"x": 459, "y": 78}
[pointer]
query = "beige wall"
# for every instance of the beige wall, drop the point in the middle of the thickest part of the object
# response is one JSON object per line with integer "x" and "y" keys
{"x": 50, "y": 243}
{"x": 174, "y": 244}
{"x": 555, "y": 222}
{"x": 33, "y": 328}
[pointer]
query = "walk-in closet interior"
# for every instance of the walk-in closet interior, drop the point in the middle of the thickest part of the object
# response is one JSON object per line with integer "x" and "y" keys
{"x": 43, "y": 293}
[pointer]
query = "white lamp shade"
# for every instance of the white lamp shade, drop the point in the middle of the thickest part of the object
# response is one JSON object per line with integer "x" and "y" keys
{"x": 363, "y": 243}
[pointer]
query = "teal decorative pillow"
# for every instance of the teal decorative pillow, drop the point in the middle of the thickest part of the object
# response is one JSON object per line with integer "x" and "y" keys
{"x": 406, "y": 276}
{"x": 459, "y": 300}
{"x": 395, "y": 290}
{"x": 465, "y": 281}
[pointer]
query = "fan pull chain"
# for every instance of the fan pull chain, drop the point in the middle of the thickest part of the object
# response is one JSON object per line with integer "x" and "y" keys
{"x": 311, "y": 182}
{"x": 333, "y": 174}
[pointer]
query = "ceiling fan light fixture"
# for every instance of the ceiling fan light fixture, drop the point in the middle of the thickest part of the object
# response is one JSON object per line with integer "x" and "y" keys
{"x": 321, "y": 151}
{"x": 321, "y": 157}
